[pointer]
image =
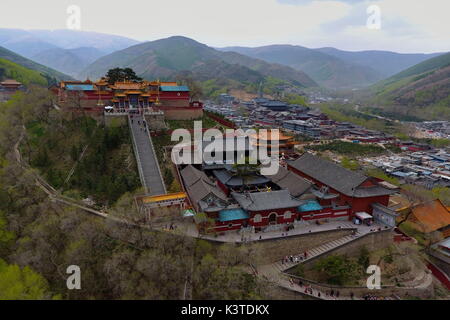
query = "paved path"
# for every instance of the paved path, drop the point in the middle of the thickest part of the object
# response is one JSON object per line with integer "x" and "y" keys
{"x": 148, "y": 166}
{"x": 305, "y": 227}
{"x": 275, "y": 272}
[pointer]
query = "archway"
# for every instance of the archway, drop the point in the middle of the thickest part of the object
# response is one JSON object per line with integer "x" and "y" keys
{"x": 273, "y": 218}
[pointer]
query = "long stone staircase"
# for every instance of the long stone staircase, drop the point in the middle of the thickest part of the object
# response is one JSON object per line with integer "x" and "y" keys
{"x": 316, "y": 252}
{"x": 149, "y": 171}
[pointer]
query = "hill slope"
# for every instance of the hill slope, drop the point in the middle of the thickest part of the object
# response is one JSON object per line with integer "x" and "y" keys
{"x": 169, "y": 57}
{"x": 11, "y": 70}
{"x": 68, "y": 61}
{"x": 422, "y": 90}
{"x": 385, "y": 63}
{"x": 325, "y": 69}
{"x": 24, "y": 62}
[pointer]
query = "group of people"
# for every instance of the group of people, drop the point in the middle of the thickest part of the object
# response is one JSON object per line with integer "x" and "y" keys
{"x": 170, "y": 227}
{"x": 294, "y": 259}
{"x": 374, "y": 297}
{"x": 142, "y": 124}
{"x": 309, "y": 290}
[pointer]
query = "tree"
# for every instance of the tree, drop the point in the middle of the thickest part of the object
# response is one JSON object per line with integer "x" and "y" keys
{"x": 350, "y": 164}
{"x": 22, "y": 283}
{"x": 338, "y": 269}
{"x": 245, "y": 170}
{"x": 196, "y": 91}
{"x": 119, "y": 74}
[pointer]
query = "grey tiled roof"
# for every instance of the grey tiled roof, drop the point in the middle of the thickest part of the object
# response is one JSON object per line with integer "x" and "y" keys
{"x": 231, "y": 180}
{"x": 343, "y": 180}
{"x": 259, "y": 201}
{"x": 191, "y": 175}
{"x": 288, "y": 180}
{"x": 199, "y": 186}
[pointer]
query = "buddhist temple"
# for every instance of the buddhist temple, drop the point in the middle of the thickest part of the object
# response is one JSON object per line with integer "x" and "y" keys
{"x": 268, "y": 139}
{"x": 174, "y": 100}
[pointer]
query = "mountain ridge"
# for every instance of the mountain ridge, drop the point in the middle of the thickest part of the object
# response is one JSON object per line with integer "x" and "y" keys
{"x": 422, "y": 90}
{"x": 330, "y": 67}
{"x": 29, "y": 64}
{"x": 167, "y": 57}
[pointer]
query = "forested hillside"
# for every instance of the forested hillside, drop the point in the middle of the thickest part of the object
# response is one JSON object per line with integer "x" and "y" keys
{"x": 327, "y": 70}
{"x": 422, "y": 91}
{"x": 11, "y": 70}
{"x": 168, "y": 58}
{"x": 50, "y": 74}
{"x": 40, "y": 237}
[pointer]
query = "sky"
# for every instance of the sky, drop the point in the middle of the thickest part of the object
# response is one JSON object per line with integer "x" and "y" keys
{"x": 404, "y": 25}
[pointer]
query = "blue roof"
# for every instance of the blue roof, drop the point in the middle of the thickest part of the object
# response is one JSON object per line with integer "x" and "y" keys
{"x": 311, "y": 205}
{"x": 82, "y": 87}
{"x": 232, "y": 214}
{"x": 174, "y": 88}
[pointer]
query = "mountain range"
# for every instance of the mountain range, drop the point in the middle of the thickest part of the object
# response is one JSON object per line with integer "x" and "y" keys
{"x": 167, "y": 58}
{"x": 405, "y": 82}
{"x": 333, "y": 68}
{"x": 67, "y": 51}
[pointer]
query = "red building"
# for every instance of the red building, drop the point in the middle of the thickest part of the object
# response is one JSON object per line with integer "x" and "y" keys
{"x": 268, "y": 208}
{"x": 310, "y": 189}
{"x": 338, "y": 186}
{"x": 8, "y": 88}
{"x": 169, "y": 97}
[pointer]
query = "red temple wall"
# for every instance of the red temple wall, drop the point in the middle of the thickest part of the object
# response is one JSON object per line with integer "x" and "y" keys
{"x": 357, "y": 204}
{"x": 265, "y": 214}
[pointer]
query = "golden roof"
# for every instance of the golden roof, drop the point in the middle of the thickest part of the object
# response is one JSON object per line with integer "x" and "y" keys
{"x": 10, "y": 82}
{"x": 269, "y": 135}
{"x": 431, "y": 216}
{"x": 127, "y": 85}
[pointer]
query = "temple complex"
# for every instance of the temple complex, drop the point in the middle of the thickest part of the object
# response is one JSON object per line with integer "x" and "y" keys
{"x": 174, "y": 100}
{"x": 309, "y": 188}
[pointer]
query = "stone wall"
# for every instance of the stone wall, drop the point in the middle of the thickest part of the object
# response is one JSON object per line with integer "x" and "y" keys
{"x": 183, "y": 113}
{"x": 156, "y": 122}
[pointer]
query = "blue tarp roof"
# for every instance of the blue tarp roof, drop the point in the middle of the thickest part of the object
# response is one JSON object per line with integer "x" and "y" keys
{"x": 232, "y": 214}
{"x": 174, "y": 88}
{"x": 82, "y": 87}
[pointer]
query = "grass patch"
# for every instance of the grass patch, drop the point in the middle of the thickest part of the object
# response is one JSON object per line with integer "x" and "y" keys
{"x": 348, "y": 148}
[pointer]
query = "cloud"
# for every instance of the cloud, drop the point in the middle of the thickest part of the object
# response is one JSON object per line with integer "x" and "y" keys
{"x": 406, "y": 25}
